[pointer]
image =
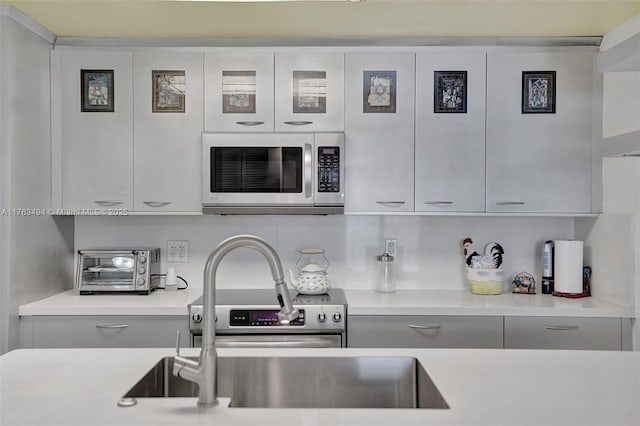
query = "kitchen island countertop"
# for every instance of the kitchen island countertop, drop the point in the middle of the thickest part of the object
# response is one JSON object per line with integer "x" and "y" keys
{"x": 497, "y": 387}
{"x": 361, "y": 302}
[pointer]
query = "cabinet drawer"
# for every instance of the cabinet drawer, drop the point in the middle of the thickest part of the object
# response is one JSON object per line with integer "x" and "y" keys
{"x": 384, "y": 331}
{"x": 563, "y": 333}
{"x": 107, "y": 331}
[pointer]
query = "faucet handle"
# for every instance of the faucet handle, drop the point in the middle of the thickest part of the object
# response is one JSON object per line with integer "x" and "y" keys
{"x": 177, "y": 342}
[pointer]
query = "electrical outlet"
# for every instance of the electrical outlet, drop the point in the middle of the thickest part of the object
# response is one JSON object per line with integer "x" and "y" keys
{"x": 391, "y": 246}
{"x": 177, "y": 251}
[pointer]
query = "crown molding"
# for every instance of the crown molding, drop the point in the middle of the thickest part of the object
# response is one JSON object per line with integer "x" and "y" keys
{"x": 28, "y": 23}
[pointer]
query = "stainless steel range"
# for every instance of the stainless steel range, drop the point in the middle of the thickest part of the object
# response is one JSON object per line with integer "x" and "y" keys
{"x": 249, "y": 318}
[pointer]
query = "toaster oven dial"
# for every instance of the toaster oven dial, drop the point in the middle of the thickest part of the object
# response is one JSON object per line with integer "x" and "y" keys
{"x": 142, "y": 259}
{"x": 140, "y": 281}
{"x": 141, "y": 270}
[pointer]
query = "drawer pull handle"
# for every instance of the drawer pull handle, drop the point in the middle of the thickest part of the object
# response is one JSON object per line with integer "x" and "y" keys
{"x": 249, "y": 123}
{"x": 112, "y": 326}
{"x": 510, "y": 203}
{"x": 390, "y": 203}
{"x": 438, "y": 203}
{"x": 425, "y": 327}
{"x": 157, "y": 203}
{"x": 108, "y": 203}
{"x": 298, "y": 123}
{"x": 562, "y": 327}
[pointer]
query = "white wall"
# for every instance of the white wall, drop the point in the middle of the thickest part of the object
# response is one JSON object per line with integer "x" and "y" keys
{"x": 36, "y": 251}
{"x": 429, "y": 247}
{"x": 621, "y": 103}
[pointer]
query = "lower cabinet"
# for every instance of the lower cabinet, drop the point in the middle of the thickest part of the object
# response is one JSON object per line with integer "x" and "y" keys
{"x": 567, "y": 333}
{"x": 75, "y": 331}
{"x": 386, "y": 331}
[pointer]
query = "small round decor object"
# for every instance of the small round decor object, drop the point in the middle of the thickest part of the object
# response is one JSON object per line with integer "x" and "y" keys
{"x": 523, "y": 283}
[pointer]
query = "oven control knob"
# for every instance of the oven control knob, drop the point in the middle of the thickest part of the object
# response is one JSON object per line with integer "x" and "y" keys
{"x": 197, "y": 318}
{"x": 142, "y": 259}
{"x": 140, "y": 281}
{"x": 141, "y": 270}
{"x": 337, "y": 317}
{"x": 322, "y": 317}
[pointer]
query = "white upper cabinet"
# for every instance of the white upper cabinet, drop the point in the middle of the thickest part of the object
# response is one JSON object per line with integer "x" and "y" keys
{"x": 168, "y": 125}
{"x": 92, "y": 129}
{"x": 539, "y": 162}
{"x": 309, "y": 92}
{"x": 379, "y": 135}
{"x": 238, "y": 92}
{"x": 450, "y": 137}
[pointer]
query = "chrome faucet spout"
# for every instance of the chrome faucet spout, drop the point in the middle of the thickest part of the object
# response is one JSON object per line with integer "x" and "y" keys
{"x": 204, "y": 372}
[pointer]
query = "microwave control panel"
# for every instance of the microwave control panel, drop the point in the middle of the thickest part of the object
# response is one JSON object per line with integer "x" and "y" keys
{"x": 328, "y": 169}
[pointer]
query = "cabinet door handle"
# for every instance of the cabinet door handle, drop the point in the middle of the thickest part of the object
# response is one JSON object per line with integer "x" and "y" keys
{"x": 108, "y": 203}
{"x": 390, "y": 203}
{"x": 438, "y": 203}
{"x": 298, "y": 123}
{"x": 157, "y": 203}
{"x": 112, "y": 326}
{"x": 510, "y": 203}
{"x": 249, "y": 123}
{"x": 562, "y": 327}
{"x": 425, "y": 327}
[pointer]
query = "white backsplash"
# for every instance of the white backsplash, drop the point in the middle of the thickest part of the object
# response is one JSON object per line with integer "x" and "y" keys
{"x": 429, "y": 247}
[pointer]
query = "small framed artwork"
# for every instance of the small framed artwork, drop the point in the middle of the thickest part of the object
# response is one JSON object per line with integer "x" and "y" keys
{"x": 238, "y": 92}
{"x": 379, "y": 92}
{"x": 169, "y": 88}
{"x": 538, "y": 92}
{"x": 310, "y": 92}
{"x": 97, "y": 91}
{"x": 450, "y": 92}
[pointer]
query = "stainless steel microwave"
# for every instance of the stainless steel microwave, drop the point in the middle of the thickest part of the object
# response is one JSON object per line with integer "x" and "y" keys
{"x": 273, "y": 173}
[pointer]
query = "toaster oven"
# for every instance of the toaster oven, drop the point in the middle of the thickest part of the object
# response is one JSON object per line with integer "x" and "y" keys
{"x": 134, "y": 270}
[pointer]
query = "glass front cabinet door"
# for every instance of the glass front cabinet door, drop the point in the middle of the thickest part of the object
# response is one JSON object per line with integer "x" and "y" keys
{"x": 309, "y": 92}
{"x": 238, "y": 92}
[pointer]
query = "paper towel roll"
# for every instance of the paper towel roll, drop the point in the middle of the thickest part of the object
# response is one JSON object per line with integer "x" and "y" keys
{"x": 567, "y": 266}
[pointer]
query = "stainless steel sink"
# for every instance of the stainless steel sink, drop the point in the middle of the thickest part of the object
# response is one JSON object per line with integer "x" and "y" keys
{"x": 305, "y": 382}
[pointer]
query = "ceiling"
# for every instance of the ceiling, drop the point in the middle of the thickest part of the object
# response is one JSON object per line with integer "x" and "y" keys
{"x": 328, "y": 20}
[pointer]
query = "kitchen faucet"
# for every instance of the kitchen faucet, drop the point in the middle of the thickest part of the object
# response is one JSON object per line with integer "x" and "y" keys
{"x": 204, "y": 372}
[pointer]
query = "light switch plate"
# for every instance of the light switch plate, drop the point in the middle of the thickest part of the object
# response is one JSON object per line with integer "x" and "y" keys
{"x": 177, "y": 251}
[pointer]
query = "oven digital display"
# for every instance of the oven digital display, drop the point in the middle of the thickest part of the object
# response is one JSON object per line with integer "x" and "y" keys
{"x": 263, "y": 316}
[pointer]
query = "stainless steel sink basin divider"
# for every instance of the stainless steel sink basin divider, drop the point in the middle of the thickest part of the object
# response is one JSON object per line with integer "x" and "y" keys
{"x": 305, "y": 382}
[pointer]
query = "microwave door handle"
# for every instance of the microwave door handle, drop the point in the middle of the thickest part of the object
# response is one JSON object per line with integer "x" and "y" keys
{"x": 308, "y": 172}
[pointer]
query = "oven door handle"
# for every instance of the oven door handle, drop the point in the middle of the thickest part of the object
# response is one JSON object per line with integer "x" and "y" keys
{"x": 315, "y": 343}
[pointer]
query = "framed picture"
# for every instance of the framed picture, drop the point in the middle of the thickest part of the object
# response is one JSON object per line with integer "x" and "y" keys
{"x": 238, "y": 92}
{"x": 538, "y": 92}
{"x": 379, "y": 92}
{"x": 169, "y": 88}
{"x": 450, "y": 91}
{"x": 96, "y": 87}
{"x": 310, "y": 92}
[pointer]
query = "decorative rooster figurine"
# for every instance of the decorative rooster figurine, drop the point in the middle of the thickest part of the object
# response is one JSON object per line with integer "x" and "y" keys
{"x": 466, "y": 247}
{"x": 495, "y": 251}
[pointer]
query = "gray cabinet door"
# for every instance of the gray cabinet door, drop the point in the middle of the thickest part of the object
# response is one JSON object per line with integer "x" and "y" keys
{"x": 166, "y": 149}
{"x": 450, "y": 146}
{"x": 107, "y": 331}
{"x": 539, "y": 162}
{"x": 379, "y": 134}
{"x": 93, "y": 151}
{"x": 563, "y": 333}
{"x": 387, "y": 331}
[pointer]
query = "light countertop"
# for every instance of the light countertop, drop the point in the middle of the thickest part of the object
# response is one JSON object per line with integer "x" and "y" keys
{"x": 361, "y": 302}
{"x": 482, "y": 387}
